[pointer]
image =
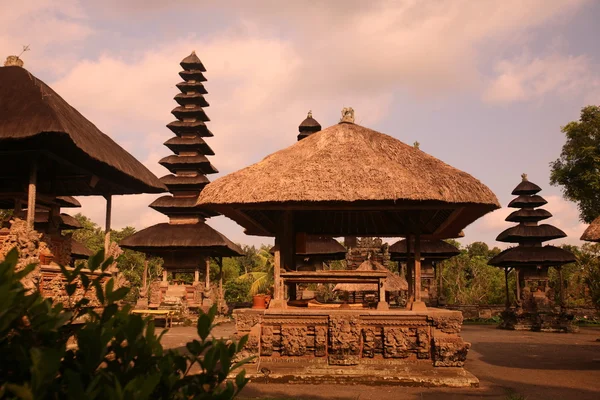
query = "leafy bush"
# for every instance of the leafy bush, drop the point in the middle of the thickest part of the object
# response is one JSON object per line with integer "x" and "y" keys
{"x": 118, "y": 355}
{"x": 238, "y": 291}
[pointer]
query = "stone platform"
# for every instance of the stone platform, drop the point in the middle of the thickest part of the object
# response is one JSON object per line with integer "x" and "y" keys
{"x": 540, "y": 321}
{"x": 324, "y": 345}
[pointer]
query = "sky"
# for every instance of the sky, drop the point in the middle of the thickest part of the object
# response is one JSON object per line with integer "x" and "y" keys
{"x": 485, "y": 86}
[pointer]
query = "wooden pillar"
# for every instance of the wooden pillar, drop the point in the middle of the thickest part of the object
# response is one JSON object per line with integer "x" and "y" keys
{"x": 277, "y": 286}
{"x": 196, "y": 275}
{"x": 207, "y": 272}
{"x": 417, "y": 277}
{"x": 440, "y": 271}
{"x": 31, "y": 194}
{"x": 145, "y": 276}
{"x": 561, "y": 288}
{"x": 288, "y": 247}
{"x": 221, "y": 297}
{"x": 518, "y": 279}
{"x": 107, "y": 225}
{"x": 409, "y": 265}
{"x": 164, "y": 278}
{"x": 506, "y": 284}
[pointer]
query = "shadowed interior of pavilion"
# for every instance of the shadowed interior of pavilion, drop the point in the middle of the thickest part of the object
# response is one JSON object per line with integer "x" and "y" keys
{"x": 348, "y": 180}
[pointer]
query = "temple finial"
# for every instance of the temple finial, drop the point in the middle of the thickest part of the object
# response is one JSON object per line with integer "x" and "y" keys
{"x": 524, "y": 177}
{"x": 309, "y": 115}
{"x": 347, "y": 115}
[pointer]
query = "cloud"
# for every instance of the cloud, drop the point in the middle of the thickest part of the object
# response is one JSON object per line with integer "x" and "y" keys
{"x": 52, "y": 29}
{"x": 525, "y": 78}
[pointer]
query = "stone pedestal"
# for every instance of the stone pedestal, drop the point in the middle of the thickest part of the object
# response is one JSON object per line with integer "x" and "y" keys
{"x": 538, "y": 321}
{"x": 356, "y": 340}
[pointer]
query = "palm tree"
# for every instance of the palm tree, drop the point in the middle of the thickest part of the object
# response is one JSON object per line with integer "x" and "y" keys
{"x": 263, "y": 277}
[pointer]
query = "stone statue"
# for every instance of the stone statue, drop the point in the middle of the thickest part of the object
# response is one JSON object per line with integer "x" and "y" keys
{"x": 347, "y": 115}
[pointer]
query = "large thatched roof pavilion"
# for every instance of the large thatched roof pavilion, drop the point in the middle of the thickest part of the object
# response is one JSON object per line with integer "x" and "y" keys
{"x": 592, "y": 233}
{"x": 349, "y": 180}
{"x": 186, "y": 241}
{"x": 48, "y": 150}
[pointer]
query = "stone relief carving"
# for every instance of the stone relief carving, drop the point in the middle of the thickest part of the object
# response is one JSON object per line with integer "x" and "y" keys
{"x": 370, "y": 339}
{"x": 294, "y": 340}
{"x": 266, "y": 341}
{"x": 320, "y": 341}
{"x": 450, "y": 352}
{"x": 448, "y": 324}
{"x": 344, "y": 340}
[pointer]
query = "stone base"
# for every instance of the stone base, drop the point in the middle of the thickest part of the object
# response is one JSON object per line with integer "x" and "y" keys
{"x": 519, "y": 320}
{"x": 405, "y": 346}
{"x": 271, "y": 370}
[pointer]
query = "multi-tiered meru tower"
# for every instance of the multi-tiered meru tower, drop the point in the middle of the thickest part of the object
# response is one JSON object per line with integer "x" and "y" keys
{"x": 535, "y": 304}
{"x": 185, "y": 242}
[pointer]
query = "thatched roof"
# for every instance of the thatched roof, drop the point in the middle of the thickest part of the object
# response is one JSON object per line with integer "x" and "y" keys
{"x": 308, "y": 126}
{"x": 198, "y": 162}
{"x": 323, "y": 247}
{"x": 79, "y": 251}
{"x": 526, "y": 187}
{"x": 64, "y": 221}
{"x": 393, "y": 282}
{"x": 67, "y": 202}
{"x": 527, "y": 201}
{"x": 200, "y": 238}
{"x": 177, "y": 144}
{"x": 524, "y": 233}
{"x": 430, "y": 249}
{"x": 192, "y": 62}
{"x": 532, "y": 256}
{"x": 528, "y": 215}
{"x": 592, "y": 233}
{"x": 34, "y": 118}
{"x": 350, "y": 168}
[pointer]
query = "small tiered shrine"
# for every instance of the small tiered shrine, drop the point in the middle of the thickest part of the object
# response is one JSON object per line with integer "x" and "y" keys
{"x": 186, "y": 243}
{"x": 361, "y": 249}
{"x": 432, "y": 253}
{"x": 535, "y": 308}
{"x": 351, "y": 181}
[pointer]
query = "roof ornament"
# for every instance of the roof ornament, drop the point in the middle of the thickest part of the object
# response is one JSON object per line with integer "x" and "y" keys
{"x": 347, "y": 115}
{"x": 524, "y": 177}
{"x": 15, "y": 61}
{"x": 309, "y": 115}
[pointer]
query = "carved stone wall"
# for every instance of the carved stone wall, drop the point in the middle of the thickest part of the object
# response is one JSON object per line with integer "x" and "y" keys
{"x": 352, "y": 338}
{"x": 367, "y": 247}
{"x": 27, "y": 242}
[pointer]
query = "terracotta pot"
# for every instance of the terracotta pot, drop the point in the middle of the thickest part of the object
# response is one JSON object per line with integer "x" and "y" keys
{"x": 259, "y": 301}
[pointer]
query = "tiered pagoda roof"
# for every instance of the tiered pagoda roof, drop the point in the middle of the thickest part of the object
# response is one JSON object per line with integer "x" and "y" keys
{"x": 528, "y": 234}
{"x": 308, "y": 127}
{"x": 430, "y": 250}
{"x": 186, "y": 238}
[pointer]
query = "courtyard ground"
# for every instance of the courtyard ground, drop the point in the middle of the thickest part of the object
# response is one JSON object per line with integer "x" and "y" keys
{"x": 510, "y": 365}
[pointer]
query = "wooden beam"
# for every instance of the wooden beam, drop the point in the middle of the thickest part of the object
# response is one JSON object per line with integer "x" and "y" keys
{"x": 107, "y": 225}
{"x": 31, "y": 194}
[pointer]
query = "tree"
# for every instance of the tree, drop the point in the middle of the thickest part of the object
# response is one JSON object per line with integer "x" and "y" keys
{"x": 577, "y": 169}
{"x": 118, "y": 355}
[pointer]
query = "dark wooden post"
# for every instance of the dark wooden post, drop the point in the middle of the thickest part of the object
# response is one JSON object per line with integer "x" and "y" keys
{"x": 107, "y": 225}
{"x": 518, "y": 279}
{"x": 31, "y": 194}
{"x": 561, "y": 288}
{"x": 417, "y": 267}
{"x": 207, "y": 272}
{"x": 506, "y": 285}
{"x": 409, "y": 271}
{"x": 288, "y": 248}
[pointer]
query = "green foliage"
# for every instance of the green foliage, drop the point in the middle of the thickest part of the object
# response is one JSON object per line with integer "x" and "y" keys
{"x": 118, "y": 355}
{"x": 130, "y": 263}
{"x": 577, "y": 169}
{"x": 237, "y": 291}
{"x": 468, "y": 279}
